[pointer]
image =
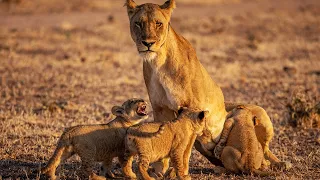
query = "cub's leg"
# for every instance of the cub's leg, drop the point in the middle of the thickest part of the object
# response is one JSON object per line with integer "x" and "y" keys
{"x": 60, "y": 154}
{"x": 224, "y": 137}
{"x": 162, "y": 114}
{"x": 177, "y": 158}
{"x": 126, "y": 163}
{"x": 230, "y": 158}
{"x": 87, "y": 154}
{"x": 106, "y": 168}
{"x": 187, "y": 154}
{"x": 143, "y": 167}
{"x": 93, "y": 176}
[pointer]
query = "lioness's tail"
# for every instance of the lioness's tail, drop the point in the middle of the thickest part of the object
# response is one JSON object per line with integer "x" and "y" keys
{"x": 133, "y": 132}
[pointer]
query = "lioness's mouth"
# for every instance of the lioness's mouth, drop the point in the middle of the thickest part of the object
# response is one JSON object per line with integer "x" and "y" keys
{"x": 141, "y": 111}
{"x": 146, "y": 51}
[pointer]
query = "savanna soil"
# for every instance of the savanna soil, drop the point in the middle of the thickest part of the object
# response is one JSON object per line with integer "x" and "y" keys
{"x": 67, "y": 63}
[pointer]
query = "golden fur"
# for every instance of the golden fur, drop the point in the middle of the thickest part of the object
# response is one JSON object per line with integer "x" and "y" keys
{"x": 264, "y": 132}
{"x": 97, "y": 142}
{"x": 242, "y": 152}
{"x": 173, "y": 75}
{"x": 175, "y": 143}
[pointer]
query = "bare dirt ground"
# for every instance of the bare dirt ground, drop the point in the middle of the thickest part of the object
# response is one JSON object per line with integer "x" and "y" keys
{"x": 66, "y": 63}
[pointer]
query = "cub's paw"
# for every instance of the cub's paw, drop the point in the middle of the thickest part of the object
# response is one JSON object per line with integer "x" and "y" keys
{"x": 93, "y": 176}
{"x": 170, "y": 174}
{"x": 283, "y": 165}
{"x": 186, "y": 177}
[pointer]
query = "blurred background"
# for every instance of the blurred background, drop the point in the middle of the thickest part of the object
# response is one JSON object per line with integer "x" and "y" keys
{"x": 64, "y": 63}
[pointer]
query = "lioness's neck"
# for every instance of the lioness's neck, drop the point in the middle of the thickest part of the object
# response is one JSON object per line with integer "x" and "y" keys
{"x": 170, "y": 50}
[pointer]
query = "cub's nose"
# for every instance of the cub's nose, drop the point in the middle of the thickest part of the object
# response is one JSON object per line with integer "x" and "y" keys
{"x": 148, "y": 43}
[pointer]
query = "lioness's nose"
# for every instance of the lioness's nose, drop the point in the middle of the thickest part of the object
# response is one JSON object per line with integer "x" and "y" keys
{"x": 148, "y": 43}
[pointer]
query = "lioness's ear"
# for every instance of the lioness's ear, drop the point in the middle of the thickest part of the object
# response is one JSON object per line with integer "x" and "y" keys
{"x": 181, "y": 110}
{"x": 202, "y": 115}
{"x": 169, "y": 5}
{"x": 118, "y": 111}
{"x": 131, "y": 6}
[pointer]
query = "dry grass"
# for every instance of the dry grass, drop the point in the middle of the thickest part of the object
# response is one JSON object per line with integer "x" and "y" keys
{"x": 303, "y": 110}
{"x": 54, "y": 77}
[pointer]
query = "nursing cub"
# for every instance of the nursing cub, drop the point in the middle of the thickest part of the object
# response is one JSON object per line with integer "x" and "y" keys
{"x": 239, "y": 148}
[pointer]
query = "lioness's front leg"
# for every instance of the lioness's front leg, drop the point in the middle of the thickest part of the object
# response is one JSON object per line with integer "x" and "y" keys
{"x": 162, "y": 114}
{"x": 212, "y": 159}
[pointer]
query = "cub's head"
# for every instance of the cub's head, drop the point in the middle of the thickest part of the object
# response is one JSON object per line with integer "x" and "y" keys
{"x": 242, "y": 113}
{"x": 198, "y": 117}
{"x": 133, "y": 111}
{"x": 149, "y": 26}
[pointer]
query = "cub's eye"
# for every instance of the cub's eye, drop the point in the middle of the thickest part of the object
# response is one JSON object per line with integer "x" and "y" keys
{"x": 159, "y": 24}
{"x": 138, "y": 24}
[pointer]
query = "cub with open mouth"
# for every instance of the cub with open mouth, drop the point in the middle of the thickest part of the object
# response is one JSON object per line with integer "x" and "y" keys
{"x": 100, "y": 142}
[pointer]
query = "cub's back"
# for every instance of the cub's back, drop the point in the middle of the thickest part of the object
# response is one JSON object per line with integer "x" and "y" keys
{"x": 242, "y": 135}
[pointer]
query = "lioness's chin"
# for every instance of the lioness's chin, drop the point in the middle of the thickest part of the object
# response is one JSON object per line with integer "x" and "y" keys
{"x": 148, "y": 56}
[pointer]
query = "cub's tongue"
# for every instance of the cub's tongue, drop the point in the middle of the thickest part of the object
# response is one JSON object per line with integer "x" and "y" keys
{"x": 142, "y": 110}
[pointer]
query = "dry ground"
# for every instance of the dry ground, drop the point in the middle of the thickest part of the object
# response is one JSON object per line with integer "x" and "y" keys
{"x": 66, "y": 63}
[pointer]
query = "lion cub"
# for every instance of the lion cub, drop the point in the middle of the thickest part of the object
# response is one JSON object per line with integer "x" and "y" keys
{"x": 174, "y": 142}
{"x": 242, "y": 152}
{"x": 98, "y": 142}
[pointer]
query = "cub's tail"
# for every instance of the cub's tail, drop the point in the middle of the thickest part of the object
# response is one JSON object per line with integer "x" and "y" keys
{"x": 63, "y": 151}
{"x": 134, "y": 132}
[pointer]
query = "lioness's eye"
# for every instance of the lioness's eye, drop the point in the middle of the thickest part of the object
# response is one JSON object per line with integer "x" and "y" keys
{"x": 159, "y": 24}
{"x": 138, "y": 24}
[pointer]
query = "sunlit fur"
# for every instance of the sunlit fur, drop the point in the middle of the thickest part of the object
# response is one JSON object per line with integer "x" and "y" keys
{"x": 96, "y": 142}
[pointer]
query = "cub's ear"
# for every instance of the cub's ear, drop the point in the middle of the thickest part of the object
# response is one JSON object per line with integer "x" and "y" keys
{"x": 254, "y": 119}
{"x": 118, "y": 111}
{"x": 131, "y": 7}
{"x": 169, "y": 5}
{"x": 241, "y": 107}
{"x": 203, "y": 114}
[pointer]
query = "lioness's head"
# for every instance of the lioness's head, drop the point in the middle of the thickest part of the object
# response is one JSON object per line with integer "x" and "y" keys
{"x": 198, "y": 118}
{"x": 149, "y": 26}
{"x": 133, "y": 110}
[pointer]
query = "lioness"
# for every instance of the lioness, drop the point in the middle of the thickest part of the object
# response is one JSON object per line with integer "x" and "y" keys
{"x": 243, "y": 153}
{"x": 98, "y": 142}
{"x": 175, "y": 142}
{"x": 174, "y": 76}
